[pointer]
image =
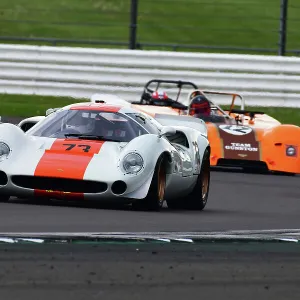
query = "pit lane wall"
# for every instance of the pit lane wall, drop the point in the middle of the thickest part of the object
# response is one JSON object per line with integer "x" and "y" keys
{"x": 81, "y": 72}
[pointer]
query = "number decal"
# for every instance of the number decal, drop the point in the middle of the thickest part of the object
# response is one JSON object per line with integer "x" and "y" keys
{"x": 71, "y": 146}
{"x": 85, "y": 148}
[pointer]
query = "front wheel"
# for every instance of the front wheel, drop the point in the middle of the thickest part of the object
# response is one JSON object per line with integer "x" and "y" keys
{"x": 155, "y": 197}
{"x": 197, "y": 199}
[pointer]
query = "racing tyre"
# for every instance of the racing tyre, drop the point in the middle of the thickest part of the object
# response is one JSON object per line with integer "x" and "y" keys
{"x": 155, "y": 197}
{"x": 197, "y": 199}
{"x": 4, "y": 198}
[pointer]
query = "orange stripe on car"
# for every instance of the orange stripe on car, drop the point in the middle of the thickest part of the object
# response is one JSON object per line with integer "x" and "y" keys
{"x": 67, "y": 158}
{"x": 97, "y": 107}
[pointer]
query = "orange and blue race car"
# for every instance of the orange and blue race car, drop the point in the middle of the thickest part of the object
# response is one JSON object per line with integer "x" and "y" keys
{"x": 238, "y": 137}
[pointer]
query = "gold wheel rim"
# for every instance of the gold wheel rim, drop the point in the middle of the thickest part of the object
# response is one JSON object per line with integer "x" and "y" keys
{"x": 161, "y": 184}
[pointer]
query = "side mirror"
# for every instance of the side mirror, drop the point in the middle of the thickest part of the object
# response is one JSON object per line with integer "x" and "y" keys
{"x": 51, "y": 110}
{"x": 167, "y": 130}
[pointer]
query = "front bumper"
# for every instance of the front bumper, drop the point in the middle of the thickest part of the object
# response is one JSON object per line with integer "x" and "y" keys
{"x": 65, "y": 188}
{"x": 283, "y": 166}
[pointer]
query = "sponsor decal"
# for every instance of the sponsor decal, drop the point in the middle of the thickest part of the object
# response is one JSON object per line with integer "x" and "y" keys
{"x": 58, "y": 195}
{"x": 240, "y": 147}
{"x": 236, "y": 129}
{"x": 239, "y": 142}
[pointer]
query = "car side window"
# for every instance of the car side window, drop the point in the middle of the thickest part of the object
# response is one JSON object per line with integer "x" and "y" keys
{"x": 26, "y": 126}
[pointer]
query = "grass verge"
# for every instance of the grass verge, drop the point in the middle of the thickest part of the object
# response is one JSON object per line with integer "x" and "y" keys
{"x": 235, "y": 23}
{"x": 29, "y": 105}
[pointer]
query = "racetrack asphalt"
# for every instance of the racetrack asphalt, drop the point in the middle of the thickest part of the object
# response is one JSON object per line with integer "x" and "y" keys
{"x": 237, "y": 201}
{"x": 232, "y": 271}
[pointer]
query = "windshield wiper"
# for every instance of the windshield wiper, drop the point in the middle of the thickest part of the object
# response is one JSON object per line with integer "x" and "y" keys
{"x": 90, "y": 137}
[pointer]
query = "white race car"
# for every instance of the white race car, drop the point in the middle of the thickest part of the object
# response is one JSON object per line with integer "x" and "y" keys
{"x": 100, "y": 151}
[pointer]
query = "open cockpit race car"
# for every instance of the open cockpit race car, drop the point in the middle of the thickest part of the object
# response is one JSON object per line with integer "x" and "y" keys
{"x": 238, "y": 137}
{"x": 107, "y": 152}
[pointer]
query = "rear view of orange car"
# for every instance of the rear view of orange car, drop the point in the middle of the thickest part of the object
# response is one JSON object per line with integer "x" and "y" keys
{"x": 238, "y": 137}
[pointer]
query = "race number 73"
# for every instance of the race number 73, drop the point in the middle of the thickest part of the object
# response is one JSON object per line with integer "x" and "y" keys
{"x": 85, "y": 148}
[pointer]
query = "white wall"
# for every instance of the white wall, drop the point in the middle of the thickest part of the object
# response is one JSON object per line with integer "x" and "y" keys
{"x": 81, "y": 72}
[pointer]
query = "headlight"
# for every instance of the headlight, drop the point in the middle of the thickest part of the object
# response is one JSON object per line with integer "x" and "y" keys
{"x": 4, "y": 151}
{"x": 133, "y": 163}
{"x": 291, "y": 151}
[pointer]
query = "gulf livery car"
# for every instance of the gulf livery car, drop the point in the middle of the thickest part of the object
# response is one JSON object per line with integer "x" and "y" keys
{"x": 238, "y": 137}
{"x": 107, "y": 152}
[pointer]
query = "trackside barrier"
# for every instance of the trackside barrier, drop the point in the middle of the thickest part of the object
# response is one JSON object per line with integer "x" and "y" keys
{"x": 81, "y": 72}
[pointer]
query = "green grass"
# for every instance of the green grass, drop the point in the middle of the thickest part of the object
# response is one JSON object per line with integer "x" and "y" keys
{"x": 27, "y": 106}
{"x": 235, "y": 23}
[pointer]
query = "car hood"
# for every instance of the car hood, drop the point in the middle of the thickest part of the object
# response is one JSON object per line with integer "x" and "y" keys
{"x": 68, "y": 157}
{"x": 64, "y": 158}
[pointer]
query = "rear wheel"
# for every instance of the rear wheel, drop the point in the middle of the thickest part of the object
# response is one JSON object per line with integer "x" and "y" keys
{"x": 155, "y": 197}
{"x": 197, "y": 199}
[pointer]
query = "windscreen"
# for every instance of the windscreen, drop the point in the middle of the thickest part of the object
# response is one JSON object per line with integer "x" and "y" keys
{"x": 109, "y": 125}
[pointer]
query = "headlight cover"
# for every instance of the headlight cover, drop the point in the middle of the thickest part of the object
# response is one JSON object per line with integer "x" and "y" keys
{"x": 291, "y": 151}
{"x": 133, "y": 163}
{"x": 4, "y": 151}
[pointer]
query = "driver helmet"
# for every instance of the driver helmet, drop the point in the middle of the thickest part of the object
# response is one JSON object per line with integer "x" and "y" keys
{"x": 159, "y": 95}
{"x": 200, "y": 106}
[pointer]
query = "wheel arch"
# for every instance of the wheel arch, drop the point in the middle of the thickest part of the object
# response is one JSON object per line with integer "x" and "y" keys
{"x": 167, "y": 161}
{"x": 208, "y": 148}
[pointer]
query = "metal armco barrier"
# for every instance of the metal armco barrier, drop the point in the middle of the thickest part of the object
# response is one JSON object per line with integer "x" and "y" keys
{"x": 81, "y": 72}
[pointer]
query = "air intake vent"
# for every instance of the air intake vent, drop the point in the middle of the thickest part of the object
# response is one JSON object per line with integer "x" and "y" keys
{"x": 3, "y": 178}
{"x": 59, "y": 184}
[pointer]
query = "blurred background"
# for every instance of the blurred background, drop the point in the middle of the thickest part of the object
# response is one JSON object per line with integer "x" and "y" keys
{"x": 224, "y": 26}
